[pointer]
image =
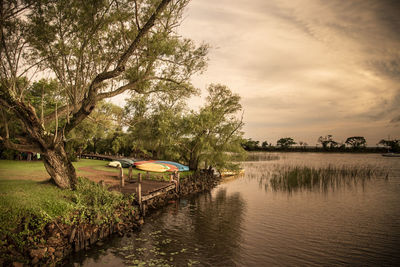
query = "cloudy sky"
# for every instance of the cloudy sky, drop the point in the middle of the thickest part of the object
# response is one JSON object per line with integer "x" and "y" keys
{"x": 304, "y": 68}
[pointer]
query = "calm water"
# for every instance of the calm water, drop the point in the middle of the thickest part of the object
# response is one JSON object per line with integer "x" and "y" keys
{"x": 243, "y": 222}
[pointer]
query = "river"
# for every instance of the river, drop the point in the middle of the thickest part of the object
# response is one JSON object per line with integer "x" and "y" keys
{"x": 246, "y": 222}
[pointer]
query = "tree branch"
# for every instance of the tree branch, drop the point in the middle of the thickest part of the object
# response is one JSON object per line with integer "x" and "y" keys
{"x": 21, "y": 147}
{"x": 118, "y": 91}
{"x": 89, "y": 101}
{"x": 128, "y": 53}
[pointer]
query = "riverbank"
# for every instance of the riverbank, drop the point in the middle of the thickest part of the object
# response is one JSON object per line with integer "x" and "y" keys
{"x": 41, "y": 224}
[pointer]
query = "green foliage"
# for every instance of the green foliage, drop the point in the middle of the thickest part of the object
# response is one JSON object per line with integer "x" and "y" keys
{"x": 27, "y": 206}
{"x": 289, "y": 178}
{"x": 154, "y": 125}
{"x": 77, "y": 40}
{"x": 393, "y": 145}
{"x": 103, "y": 123}
{"x": 327, "y": 142}
{"x": 161, "y": 125}
{"x": 95, "y": 202}
{"x": 264, "y": 145}
{"x": 356, "y": 142}
{"x": 285, "y": 142}
{"x": 214, "y": 130}
{"x": 250, "y": 144}
{"x": 96, "y": 50}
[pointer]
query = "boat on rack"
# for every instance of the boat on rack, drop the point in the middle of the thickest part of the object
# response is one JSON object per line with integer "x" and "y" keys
{"x": 173, "y": 166}
{"x": 152, "y": 167}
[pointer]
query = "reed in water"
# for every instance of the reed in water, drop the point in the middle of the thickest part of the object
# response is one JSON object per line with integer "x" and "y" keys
{"x": 262, "y": 156}
{"x": 289, "y": 178}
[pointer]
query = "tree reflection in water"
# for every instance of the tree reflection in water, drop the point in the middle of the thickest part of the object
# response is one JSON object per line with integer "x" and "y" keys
{"x": 219, "y": 218}
{"x": 212, "y": 222}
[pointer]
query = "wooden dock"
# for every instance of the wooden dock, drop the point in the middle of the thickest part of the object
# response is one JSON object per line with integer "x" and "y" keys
{"x": 146, "y": 190}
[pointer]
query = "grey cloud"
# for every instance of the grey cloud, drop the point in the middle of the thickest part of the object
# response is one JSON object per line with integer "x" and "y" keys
{"x": 396, "y": 119}
{"x": 389, "y": 68}
{"x": 307, "y": 66}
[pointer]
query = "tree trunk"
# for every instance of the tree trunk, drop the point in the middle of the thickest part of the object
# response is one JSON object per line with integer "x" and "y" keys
{"x": 60, "y": 168}
{"x": 194, "y": 161}
{"x": 94, "y": 145}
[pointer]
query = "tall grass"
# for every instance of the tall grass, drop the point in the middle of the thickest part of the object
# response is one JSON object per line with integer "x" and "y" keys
{"x": 262, "y": 156}
{"x": 289, "y": 178}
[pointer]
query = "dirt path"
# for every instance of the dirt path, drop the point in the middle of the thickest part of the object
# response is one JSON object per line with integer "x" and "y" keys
{"x": 109, "y": 177}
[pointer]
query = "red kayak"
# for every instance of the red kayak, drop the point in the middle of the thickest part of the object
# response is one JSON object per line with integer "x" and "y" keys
{"x": 142, "y": 162}
{"x": 172, "y": 168}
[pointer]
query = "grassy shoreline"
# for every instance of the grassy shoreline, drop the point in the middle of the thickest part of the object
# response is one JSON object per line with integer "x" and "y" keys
{"x": 28, "y": 207}
{"x": 39, "y": 221}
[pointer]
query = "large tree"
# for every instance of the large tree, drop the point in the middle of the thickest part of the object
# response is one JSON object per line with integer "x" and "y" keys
{"x": 393, "y": 145}
{"x": 327, "y": 141}
{"x": 94, "y": 50}
{"x": 250, "y": 144}
{"x": 356, "y": 142}
{"x": 214, "y": 130}
{"x": 285, "y": 142}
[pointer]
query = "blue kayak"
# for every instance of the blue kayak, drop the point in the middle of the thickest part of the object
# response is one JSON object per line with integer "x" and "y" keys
{"x": 180, "y": 167}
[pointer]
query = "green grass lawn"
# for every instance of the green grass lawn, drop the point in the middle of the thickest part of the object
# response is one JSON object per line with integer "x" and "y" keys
{"x": 35, "y": 170}
{"x": 21, "y": 197}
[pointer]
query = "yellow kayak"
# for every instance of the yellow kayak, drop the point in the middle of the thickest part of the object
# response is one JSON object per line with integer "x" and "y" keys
{"x": 152, "y": 167}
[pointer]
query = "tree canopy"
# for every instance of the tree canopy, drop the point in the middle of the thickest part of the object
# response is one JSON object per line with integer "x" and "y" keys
{"x": 327, "y": 141}
{"x": 393, "y": 145}
{"x": 356, "y": 142}
{"x": 285, "y": 142}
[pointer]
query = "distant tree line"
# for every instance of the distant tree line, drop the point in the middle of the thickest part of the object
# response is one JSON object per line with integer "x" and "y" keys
{"x": 325, "y": 144}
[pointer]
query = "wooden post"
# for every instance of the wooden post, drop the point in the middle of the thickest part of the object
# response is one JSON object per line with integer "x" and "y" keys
{"x": 130, "y": 173}
{"x": 121, "y": 177}
{"x": 140, "y": 195}
{"x": 147, "y": 175}
{"x": 144, "y": 209}
{"x": 139, "y": 177}
{"x": 177, "y": 182}
{"x": 171, "y": 178}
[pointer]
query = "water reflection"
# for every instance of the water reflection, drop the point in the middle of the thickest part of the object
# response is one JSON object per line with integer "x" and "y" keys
{"x": 213, "y": 222}
{"x": 219, "y": 218}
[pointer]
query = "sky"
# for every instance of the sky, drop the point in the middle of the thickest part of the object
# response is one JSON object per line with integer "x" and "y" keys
{"x": 304, "y": 68}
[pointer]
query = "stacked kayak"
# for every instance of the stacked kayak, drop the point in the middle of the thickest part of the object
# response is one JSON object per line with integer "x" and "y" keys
{"x": 114, "y": 164}
{"x": 160, "y": 166}
{"x": 152, "y": 167}
{"x": 180, "y": 167}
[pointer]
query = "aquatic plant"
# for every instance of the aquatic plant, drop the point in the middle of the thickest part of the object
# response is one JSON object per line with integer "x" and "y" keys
{"x": 288, "y": 178}
{"x": 262, "y": 156}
